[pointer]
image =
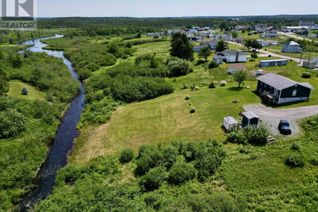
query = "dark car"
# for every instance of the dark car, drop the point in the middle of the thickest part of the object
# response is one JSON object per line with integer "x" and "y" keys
{"x": 284, "y": 127}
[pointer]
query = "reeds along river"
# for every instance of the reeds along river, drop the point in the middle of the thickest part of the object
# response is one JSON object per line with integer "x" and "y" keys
{"x": 65, "y": 135}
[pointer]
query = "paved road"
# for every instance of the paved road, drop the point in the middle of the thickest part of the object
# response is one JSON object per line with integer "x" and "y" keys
{"x": 263, "y": 52}
{"x": 271, "y": 116}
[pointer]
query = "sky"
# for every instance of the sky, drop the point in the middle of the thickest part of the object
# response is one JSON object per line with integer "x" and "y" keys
{"x": 173, "y": 8}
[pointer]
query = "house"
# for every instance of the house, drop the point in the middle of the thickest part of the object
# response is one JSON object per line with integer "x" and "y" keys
{"x": 276, "y": 89}
{"x": 218, "y": 59}
{"x": 268, "y": 63}
{"x": 269, "y": 34}
{"x": 211, "y": 43}
{"x": 311, "y": 64}
{"x": 260, "y": 27}
{"x": 249, "y": 119}
{"x": 310, "y": 25}
{"x": 292, "y": 47}
{"x": 230, "y": 124}
{"x": 293, "y": 28}
{"x": 265, "y": 43}
{"x": 233, "y": 56}
{"x": 235, "y": 68}
{"x": 198, "y": 48}
{"x": 301, "y": 32}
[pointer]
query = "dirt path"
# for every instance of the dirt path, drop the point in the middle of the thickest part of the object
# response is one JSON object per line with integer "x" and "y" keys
{"x": 271, "y": 116}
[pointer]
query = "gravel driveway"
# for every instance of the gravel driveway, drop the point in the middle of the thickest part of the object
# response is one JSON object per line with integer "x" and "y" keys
{"x": 271, "y": 116}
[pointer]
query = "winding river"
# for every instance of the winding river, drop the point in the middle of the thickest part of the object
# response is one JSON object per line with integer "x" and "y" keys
{"x": 65, "y": 135}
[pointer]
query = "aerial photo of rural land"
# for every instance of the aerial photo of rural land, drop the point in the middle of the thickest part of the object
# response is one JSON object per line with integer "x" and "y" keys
{"x": 148, "y": 105}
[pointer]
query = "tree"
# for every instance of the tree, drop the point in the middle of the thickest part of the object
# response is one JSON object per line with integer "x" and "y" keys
{"x": 4, "y": 86}
{"x": 256, "y": 135}
{"x": 12, "y": 124}
{"x": 177, "y": 67}
{"x": 252, "y": 44}
{"x": 181, "y": 47}
{"x": 221, "y": 46}
{"x": 24, "y": 91}
{"x": 240, "y": 77}
{"x": 205, "y": 53}
{"x": 234, "y": 34}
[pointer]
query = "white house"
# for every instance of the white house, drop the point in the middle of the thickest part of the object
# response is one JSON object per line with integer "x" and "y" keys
{"x": 292, "y": 47}
{"x": 233, "y": 56}
{"x": 265, "y": 43}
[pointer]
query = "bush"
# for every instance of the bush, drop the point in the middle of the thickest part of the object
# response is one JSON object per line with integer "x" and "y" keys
{"x": 295, "y": 162}
{"x": 213, "y": 84}
{"x": 178, "y": 67}
{"x": 295, "y": 147}
{"x": 24, "y": 91}
{"x": 12, "y": 124}
{"x": 314, "y": 162}
{"x": 187, "y": 98}
{"x": 256, "y": 135}
{"x": 254, "y": 55}
{"x": 236, "y": 137}
{"x": 126, "y": 156}
{"x": 181, "y": 172}
{"x": 192, "y": 110}
{"x": 213, "y": 65}
{"x": 306, "y": 75}
{"x": 153, "y": 179}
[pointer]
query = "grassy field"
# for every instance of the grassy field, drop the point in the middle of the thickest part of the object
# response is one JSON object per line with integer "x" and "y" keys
{"x": 167, "y": 118}
{"x": 15, "y": 88}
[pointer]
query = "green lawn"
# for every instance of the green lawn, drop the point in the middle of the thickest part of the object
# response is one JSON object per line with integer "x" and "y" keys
{"x": 15, "y": 88}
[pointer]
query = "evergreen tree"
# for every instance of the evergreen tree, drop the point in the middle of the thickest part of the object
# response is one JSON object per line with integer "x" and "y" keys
{"x": 181, "y": 47}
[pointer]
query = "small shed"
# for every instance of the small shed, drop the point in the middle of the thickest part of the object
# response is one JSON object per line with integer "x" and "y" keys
{"x": 249, "y": 119}
{"x": 230, "y": 123}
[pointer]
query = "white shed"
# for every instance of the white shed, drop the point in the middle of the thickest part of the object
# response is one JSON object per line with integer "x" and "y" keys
{"x": 230, "y": 123}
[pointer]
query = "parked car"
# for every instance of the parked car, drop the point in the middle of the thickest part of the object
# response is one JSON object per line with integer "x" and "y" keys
{"x": 284, "y": 127}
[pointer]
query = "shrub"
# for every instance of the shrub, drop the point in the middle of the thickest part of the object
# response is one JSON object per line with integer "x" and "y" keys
{"x": 12, "y": 124}
{"x": 187, "y": 98}
{"x": 153, "y": 179}
{"x": 126, "y": 156}
{"x": 256, "y": 135}
{"x": 295, "y": 147}
{"x": 314, "y": 162}
{"x": 24, "y": 91}
{"x": 4, "y": 85}
{"x": 181, "y": 172}
{"x": 192, "y": 110}
{"x": 306, "y": 75}
{"x": 178, "y": 67}
{"x": 148, "y": 158}
{"x": 213, "y": 65}
{"x": 213, "y": 84}
{"x": 236, "y": 138}
{"x": 295, "y": 162}
{"x": 254, "y": 55}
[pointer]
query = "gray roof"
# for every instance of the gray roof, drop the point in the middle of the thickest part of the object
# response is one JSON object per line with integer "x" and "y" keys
{"x": 306, "y": 85}
{"x": 278, "y": 60}
{"x": 249, "y": 115}
{"x": 234, "y": 52}
{"x": 279, "y": 82}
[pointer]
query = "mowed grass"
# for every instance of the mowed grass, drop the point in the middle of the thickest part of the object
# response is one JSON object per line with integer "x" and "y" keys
{"x": 163, "y": 120}
{"x": 15, "y": 90}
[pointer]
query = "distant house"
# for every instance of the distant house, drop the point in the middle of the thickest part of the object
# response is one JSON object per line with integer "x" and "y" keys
{"x": 311, "y": 64}
{"x": 277, "y": 89}
{"x": 292, "y": 47}
{"x": 235, "y": 68}
{"x": 268, "y": 63}
{"x": 265, "y": 43}
{"x": 269, "y": 34}
{"x": 218, "y": 59}
{"x": 211, "y": 43}
{"x": 301, "y": 32}
{"x": 233, "y": 56}
{"x": 310, "y": 25}
{"x": 198, "y": 48}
